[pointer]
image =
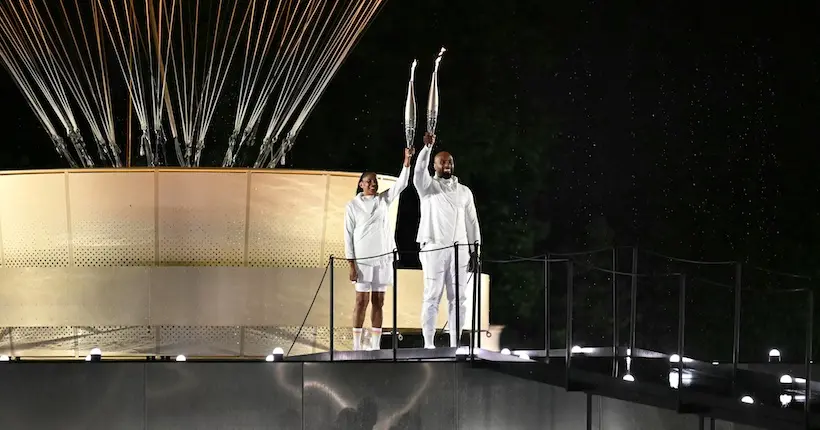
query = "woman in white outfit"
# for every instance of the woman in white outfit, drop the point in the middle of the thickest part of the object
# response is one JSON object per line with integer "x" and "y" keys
{"x": 369, "y": 243}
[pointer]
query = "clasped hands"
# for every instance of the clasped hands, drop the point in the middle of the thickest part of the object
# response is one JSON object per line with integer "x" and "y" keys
{"x": 473, "y": 265}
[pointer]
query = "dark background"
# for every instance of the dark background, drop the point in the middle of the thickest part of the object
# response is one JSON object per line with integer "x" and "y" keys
{"x": 684, "y": 129}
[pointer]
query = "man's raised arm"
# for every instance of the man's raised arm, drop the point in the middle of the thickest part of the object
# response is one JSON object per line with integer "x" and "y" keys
{"x": 421, "y": 176}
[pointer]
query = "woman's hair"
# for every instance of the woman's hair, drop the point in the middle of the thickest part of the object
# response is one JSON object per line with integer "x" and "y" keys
{"x": 361, "y": 178}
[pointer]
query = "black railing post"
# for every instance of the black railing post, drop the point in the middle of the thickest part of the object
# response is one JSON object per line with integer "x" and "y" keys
{"x": 547, "y": 338}
{"x": 633, "y": 301}
{"x": 455, "y": 325}
{"x": 395, "y": 304}
{"x": 736, "y": 330}
{"x": 477, "y": 301}
{"x": 568, "y": 357}
{"x": 681, "y": 328}
{"x": 332, "y": 331}
{"x": 809, "y": 354}
{"x": 473, "y": 335}
{"x": 614, "y": 312}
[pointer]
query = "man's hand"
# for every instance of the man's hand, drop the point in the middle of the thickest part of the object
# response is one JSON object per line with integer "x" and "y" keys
{"x": 429, "y": 139}
{"x": 408, "y": 156}
{"x": 354, "y": 274}
{"x": 473, "y": 266}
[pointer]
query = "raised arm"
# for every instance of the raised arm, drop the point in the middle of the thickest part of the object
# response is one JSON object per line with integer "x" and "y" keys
{"x": 421, "y": 176}
{"x": 404, "y": 177}
{"x": 471, "y": 222}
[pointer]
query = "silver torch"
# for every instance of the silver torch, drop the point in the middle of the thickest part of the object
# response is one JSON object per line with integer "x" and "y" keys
{"x": 410, "y": 109}
{"x": 432, "y": 98}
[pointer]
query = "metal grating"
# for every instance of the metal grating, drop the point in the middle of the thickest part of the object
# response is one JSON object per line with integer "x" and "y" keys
{"x": 202, "y": 218}
{"x": 286, "y": 220}
{"x": 34, "y": 227}
{"x": 117, "y": 229}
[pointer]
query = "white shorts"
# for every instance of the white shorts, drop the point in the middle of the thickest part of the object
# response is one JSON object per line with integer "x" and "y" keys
{"x": 373, "y": 278}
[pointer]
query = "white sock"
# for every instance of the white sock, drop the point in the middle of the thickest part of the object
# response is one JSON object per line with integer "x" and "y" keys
{"x": 357, "y": 338}
{"x": 454, "y": 338}
{"x": 375, "y": 338}
{"x": 429, "y": 339}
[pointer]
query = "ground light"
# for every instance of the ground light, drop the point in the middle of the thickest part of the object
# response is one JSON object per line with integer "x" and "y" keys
{"x": 675, "y": 358}
{"x": 774, "y": 355}
{"x": 94, "y": 355}
{"x": 278, "y": 354}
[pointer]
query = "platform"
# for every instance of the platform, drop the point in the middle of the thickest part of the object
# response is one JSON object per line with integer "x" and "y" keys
{"x": 424, "y": 389}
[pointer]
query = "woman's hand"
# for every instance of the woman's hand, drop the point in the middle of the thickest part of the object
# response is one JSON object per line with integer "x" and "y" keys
{"x": 408, "y": 156}
{"x": 354, "y": 274}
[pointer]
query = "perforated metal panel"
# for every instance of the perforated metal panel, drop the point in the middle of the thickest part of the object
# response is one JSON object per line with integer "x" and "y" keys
{"x": 33, "y": 219}
{"x": 117, "y": 340}
{"x": 134, "y": 218}
{"x": 43, "y": 341}
{"x": 112, "y": 218}
{"x": 340, "y": 191}
{"x": 193, "y": 341}
{"x": 286, "y": 220}
{"x": 260, "y": 341}
{"x": 5, "y": 341}
{"x": 200, "y": 340}
{"x": 202, "y": 218}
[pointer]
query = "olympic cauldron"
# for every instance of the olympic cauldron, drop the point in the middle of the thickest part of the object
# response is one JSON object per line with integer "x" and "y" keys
{"x": 198, "y": 262}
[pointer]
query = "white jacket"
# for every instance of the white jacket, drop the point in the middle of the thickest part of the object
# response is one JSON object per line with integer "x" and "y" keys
{"x": 448, "y": 212}
{"x": 368, "y": 232}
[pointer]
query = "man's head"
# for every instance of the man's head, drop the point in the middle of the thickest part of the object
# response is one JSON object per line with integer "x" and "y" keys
{"x": 368, "y": 184}
{"x": 444, "y": 165}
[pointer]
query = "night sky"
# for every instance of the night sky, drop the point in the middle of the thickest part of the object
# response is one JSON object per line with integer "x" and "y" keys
{"x": 684, "y": 129}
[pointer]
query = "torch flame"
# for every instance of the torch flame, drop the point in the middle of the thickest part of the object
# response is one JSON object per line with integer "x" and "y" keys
{"x": 438, "y": 59}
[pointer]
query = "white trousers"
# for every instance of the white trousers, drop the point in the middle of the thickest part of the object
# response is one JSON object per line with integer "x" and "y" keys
{"x": 439, "y": 269}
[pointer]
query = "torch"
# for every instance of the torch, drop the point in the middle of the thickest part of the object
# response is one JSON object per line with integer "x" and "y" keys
{"x": 410, "y": 109}
{"x": 432, "y": 98}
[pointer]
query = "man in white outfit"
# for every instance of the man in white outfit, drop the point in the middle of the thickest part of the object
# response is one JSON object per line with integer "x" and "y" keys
{"x": 448, "y": 216}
